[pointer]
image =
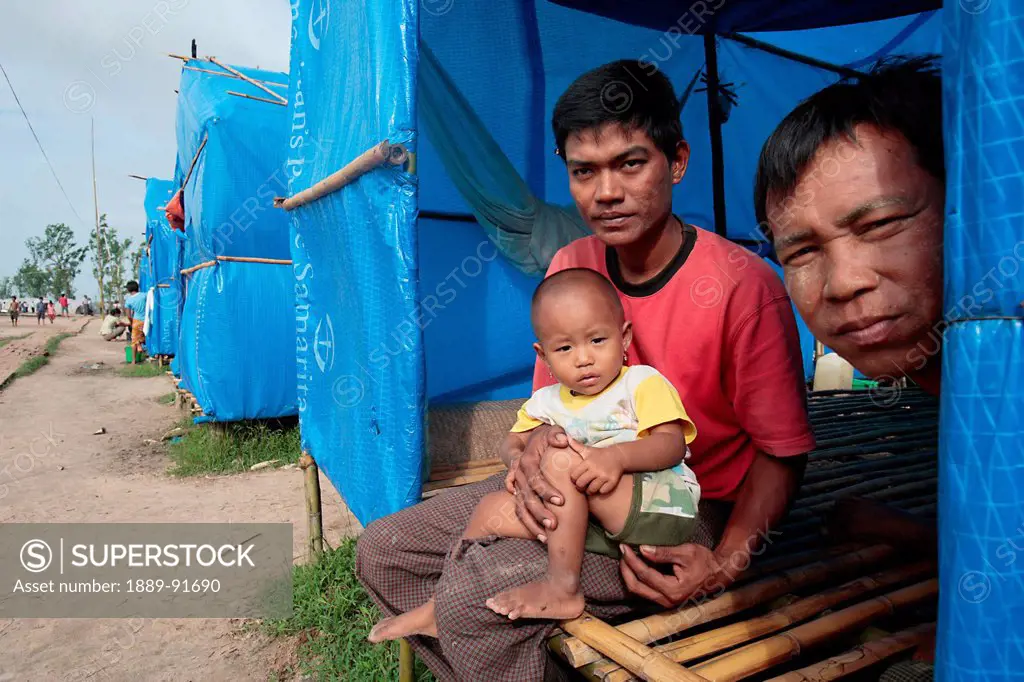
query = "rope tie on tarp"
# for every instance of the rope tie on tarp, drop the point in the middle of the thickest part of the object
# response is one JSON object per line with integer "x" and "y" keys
{"x": 380, "y": 154}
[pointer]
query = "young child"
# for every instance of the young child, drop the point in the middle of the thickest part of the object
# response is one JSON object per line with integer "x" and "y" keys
{"x": 623, "y": 479}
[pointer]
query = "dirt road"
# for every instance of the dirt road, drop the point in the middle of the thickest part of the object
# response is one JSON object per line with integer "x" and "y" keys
{"x": 52, "y": 469}
{"x": 29, "y": 338}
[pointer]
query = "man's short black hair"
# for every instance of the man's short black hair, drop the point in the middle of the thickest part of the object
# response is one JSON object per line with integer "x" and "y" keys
{"x": 899, "y": 94}
{"x": 635, "y": 95}
{"x": 132, "y": 286}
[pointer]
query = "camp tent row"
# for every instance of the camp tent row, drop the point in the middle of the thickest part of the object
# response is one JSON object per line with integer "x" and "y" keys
{"x": 223, "y": 287}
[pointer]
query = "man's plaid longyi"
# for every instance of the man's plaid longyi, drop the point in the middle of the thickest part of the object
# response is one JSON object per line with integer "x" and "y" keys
{"x": 404, "y": 559}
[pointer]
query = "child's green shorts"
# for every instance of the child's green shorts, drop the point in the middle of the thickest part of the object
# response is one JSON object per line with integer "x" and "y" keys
{"x": 663, "y": 513}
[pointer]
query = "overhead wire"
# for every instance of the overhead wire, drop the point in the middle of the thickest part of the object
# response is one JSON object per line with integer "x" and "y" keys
{"x": 38, "y": 142}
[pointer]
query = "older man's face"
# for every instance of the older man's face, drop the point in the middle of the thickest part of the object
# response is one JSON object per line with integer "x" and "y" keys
{"x": 860, "y": 242}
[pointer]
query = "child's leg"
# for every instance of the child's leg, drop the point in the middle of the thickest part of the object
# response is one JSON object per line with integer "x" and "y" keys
{"x": 495, "y": 514}
{"x": 559, "y": 595}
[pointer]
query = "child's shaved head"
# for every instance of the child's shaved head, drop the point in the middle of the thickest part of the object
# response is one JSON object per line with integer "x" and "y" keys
{"x": 576, "y": 283}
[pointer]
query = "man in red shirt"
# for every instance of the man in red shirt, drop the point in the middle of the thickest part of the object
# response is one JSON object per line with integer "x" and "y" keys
{"x": 709, "y": 315}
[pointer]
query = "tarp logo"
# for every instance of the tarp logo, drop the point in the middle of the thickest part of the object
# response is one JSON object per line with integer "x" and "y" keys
{"x": 319, "y": 20}
{"x": 36, "y": 556}
{"x": 323, "y": 342}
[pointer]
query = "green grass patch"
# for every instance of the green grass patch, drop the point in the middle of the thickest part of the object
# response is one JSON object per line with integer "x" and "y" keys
{"x": 333, "y": 616}
{"x": 53, "y": 343}
{"x": 143, "y": 370}
{"x": 36, "y": 361}
{"x": 166, "y": 399}
{"x": 231, "y": 448}
{"x": 7, "y": 339}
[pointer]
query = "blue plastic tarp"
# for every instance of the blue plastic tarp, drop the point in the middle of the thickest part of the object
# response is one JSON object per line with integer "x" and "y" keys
{"x": 236, "y": 338}
{"x": 685, "y": 17}
{"x": 359, "y": 345}
{"x": 981, "y": 441}
{"x": 163, "y": 257}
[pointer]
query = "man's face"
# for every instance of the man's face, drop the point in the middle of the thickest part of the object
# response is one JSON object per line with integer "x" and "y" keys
{"x": 860, "y": 242}
{"x": 621, "y": 182}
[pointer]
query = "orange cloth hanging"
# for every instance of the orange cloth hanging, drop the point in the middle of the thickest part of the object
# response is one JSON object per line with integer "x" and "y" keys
{"x": 175, "y": 212}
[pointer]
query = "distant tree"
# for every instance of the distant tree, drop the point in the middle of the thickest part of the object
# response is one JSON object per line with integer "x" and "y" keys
{"x": 57, "y": 253}
{"x": 6, "y": 288}
{"x": 32, "y": 280}
{"x": 110, "y": 255}
{"x": 137, "y": 262}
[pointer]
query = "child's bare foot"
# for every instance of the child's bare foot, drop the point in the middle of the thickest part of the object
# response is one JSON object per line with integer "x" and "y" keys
{"x": 419, "y": 621}
{"x": 542, "y": 599}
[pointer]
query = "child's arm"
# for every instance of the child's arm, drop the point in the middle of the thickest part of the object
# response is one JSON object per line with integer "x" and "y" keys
{"x": 601, "y": 468}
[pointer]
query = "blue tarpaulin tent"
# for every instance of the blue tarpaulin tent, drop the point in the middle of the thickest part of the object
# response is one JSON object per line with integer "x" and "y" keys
{"x": 236, "y": 345}
{"x": 441, "y": 316}
{"x": 164, "y": 268}
{"x": 394, "y": 256}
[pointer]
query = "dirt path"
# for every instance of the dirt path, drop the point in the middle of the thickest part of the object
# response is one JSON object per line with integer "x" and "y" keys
{"x": 29, "y": 338}
{"x": 52, "y": 469}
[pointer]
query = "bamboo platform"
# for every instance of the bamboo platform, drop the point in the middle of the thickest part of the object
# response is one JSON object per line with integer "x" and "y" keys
{"x": 799, "y": 611}
{"x": 184, "y": 400}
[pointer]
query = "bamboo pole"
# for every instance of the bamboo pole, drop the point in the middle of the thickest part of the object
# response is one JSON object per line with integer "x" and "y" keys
{"x": 250, "y": 259}
{"x": 712, "y": 641}
{"x": 668, "y": 623}
{"x": 231, "y": 75}
{"x": 314, "y": 511}
{"x": 406, "y": 660}
{"x": 100, "y": 241}
{"x": 641, "y": 660}
{"x": 137, "y": 177}
{"x": 258, "y": 99}
{"x": 207, "y": 264}
{"x": 767, "y": 653}
{"x": 195, "y": 159}
{"x": 251, "y": 81}
{"x": 861, "y": 657}
{"x": 376, "y": 156}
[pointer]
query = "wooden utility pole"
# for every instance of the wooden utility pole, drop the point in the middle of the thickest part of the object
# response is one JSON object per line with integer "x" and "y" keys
{"x": 96, "y": 203}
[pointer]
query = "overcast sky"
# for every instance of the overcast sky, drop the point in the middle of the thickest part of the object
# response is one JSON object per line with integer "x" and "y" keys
{"x": 71, "y": 60}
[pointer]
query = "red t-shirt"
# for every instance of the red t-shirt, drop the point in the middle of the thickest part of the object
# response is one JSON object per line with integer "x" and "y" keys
{"x": 717, "y": 322}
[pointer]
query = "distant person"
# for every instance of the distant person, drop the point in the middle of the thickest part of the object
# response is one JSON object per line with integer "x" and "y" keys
{"x": 114, "y": 325}
{"x": 86, "y": 306}
{"x": 40, "y": 310}
{"x": 14, "y": 310}
{"x": 63, "y": 301}
{"x": 135, "y": 306}
{"x": 51, "y": 311}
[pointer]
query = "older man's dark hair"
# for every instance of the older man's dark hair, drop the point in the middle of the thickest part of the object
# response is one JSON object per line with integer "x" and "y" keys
{"x": 637, "y": 96}
{"x": 899, "y": 95}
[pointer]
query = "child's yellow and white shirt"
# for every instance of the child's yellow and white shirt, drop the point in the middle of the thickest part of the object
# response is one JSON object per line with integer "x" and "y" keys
{"x": 637, "y": 401}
